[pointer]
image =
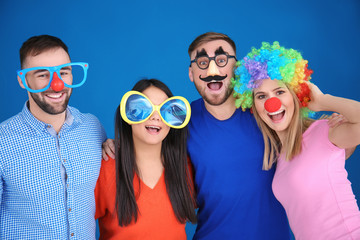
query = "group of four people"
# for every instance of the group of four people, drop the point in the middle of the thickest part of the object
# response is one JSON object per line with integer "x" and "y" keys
{"x": 161, "y": 168}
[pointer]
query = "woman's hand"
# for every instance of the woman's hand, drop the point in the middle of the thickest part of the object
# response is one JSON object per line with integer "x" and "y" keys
{"x": 316, "y": 96}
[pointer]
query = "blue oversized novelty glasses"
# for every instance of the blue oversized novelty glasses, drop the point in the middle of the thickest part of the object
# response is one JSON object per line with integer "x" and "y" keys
{"x": 39, "y": 79}
{"x": 136, "y": 108}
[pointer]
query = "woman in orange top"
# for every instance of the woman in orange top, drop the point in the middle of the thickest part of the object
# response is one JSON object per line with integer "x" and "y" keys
{"x": 146, "y": 192}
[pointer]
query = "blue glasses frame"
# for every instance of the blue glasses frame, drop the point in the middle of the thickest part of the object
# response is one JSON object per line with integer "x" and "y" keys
{"x": 56, "y": 69}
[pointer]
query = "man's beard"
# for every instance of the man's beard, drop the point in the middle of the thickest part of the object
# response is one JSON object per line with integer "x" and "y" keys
{"x": 218, "y": 100}
{"x": 48, "y": 108}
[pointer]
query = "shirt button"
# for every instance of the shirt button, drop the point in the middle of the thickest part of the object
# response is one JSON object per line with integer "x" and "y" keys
{"x": 67, "y": 185}
{"x": 64, "y": 160}
{"x": 72, "y": 234}
{"x": 69, "y": 209}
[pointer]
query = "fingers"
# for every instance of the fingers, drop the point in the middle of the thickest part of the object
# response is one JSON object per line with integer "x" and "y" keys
{"x": 108, "y": 149}
{"x": 335, "y": 120}
{"x": 104, "y": 155}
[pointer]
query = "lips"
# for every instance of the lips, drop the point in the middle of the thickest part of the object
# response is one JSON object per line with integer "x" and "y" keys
{"x": 277, "y": 116}
{"x": 54, "y": 95}
{"x": 153, "y": 129}
{"x": 215, "y": 85}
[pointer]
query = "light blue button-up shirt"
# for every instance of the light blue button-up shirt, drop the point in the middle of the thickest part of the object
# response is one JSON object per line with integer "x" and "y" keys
{"x": 47, "y": 180}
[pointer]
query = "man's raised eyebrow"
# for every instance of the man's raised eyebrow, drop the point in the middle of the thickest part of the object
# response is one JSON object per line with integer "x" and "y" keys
{"x": 220, "y": 50}
{"x": 201, "y": 53}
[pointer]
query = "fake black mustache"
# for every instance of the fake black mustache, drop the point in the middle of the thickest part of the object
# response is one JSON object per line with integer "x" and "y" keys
{"x": 211, "y": 78}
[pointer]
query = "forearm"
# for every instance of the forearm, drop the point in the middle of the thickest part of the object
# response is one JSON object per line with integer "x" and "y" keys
{"x": 350, "y": 109}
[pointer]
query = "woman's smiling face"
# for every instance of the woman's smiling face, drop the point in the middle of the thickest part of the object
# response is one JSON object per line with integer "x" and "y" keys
{"x": 279, "y": 110}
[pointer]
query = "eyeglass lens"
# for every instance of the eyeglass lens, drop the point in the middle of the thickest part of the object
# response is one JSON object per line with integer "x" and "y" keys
{"x": 204, "y": 61}
{"x": 139, "y": 108}
{"x": 40, "y": 78}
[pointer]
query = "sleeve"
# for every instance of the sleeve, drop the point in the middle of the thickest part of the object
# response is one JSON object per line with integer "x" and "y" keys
{"x": 105, "y": 189}
{"x": 1, "y": 181}
{"x": 102, "y": 131}
{"x": 1, "y": 187}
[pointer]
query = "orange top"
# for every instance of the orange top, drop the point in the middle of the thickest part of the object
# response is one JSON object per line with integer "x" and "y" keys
{"x": 156, "y": 219}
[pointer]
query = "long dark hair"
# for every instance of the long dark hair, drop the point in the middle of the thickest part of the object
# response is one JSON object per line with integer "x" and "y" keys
{"x": 174, "y": 155}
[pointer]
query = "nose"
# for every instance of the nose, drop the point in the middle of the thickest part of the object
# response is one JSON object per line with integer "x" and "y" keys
{"x": 212, "y": 69}
{"x": 272, "y": 104}
{"x": 155, "y": 116}
{"x": 57, "y": 84}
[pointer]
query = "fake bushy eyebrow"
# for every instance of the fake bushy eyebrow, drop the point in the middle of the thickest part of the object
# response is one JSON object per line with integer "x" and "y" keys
{"x": 220, "y": 50}
{"x": 202, "y": 53}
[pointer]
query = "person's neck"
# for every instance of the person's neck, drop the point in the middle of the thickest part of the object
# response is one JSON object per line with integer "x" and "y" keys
{"x": 147, "y": 154}
{"x": 56, "y": 121}
{"x": 149, "y": 163}
{"x": 223, "y": 111}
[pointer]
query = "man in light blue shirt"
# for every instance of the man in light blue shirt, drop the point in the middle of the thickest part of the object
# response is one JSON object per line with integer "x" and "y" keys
{"x": 50, "y": 153}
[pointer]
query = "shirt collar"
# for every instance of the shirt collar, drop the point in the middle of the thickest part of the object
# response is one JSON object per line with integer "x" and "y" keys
{"x": 41, "y": 126}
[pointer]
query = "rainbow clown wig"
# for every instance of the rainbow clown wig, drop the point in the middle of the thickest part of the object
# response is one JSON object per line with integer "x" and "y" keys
{"x": 274, "y": 62}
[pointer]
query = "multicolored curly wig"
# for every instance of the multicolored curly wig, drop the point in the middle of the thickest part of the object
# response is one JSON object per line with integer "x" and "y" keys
{"x": 274, "y": 62}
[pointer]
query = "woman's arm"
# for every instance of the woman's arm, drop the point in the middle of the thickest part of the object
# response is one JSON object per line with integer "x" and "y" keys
{"x": 346, "y": 135}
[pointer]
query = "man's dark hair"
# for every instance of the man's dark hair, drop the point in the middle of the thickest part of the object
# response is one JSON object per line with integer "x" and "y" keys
{"x": 209, "y": 37}
{"x": 38, "y": 44}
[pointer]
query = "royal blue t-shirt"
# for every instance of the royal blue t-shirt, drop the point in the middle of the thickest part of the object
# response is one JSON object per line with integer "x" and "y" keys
{"x": 234, "y": 194}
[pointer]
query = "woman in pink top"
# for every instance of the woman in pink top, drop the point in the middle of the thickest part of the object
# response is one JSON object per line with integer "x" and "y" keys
{"x": 310, "y": 180}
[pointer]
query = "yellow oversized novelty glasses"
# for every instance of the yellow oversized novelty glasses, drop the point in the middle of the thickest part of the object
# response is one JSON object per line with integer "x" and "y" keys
{"x": 136, "y": 108}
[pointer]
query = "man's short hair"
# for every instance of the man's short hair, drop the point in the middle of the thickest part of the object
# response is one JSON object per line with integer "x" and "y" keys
{"x": 209, "y": 37}
{"x": 38, "y": 44}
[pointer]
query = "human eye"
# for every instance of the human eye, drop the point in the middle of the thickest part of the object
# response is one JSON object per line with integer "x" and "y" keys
{"x": 42, "y": 74}
{"x": 65, "y": 71}
{"x": 260, "y": 96}
{"x": 203, "y": 61}
{"x": 279, "y": 92}
{"x": 221, "y": 59}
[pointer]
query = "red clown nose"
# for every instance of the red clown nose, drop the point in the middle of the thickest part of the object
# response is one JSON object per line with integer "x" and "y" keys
{"x": 57, "y": 84}
{"x": 272, "y": 104}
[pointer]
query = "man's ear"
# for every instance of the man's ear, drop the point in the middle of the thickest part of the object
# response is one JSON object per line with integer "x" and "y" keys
{"x": 191, "y": 74}
{"x": 20, "y": 82}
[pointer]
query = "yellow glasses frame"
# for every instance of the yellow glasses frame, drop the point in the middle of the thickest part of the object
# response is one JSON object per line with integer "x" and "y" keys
{"x": 154, "y": 108}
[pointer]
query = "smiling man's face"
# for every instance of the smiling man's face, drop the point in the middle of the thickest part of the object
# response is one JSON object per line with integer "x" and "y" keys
{"x": 213, "y": 83}
{"x": 50, "y": 101}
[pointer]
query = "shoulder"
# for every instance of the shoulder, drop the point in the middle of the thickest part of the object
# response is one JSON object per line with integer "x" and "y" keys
{"x": 11, "y": 126}
{"x": 107, "y": 170}
{"x": 88, "y": 121}
{"x": 106, "y": 182}
{"x": 197, "y": 112}
{"x": 317, "y": 126}
{"x": 105, "y": 190}
{"x": 85, "y": 117}
{"x": 196, "y": 104}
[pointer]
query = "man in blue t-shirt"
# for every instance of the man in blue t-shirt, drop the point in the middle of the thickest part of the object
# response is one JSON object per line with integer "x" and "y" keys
{"x": 226, "y": 147}
{"x": 234, "y": 194}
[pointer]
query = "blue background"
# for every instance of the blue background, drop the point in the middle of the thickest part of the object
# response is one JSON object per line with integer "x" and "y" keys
{"x": 124, "y": 41}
